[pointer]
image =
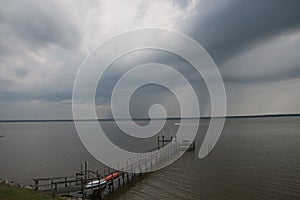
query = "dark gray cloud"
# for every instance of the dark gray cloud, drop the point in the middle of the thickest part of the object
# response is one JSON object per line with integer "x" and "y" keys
{"x": 150, "y": 94}
{"x": 255, "y": 44}
{"x": 232, "y": 25}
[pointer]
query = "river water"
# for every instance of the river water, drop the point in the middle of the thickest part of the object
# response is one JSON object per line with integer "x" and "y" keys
{"x": 255, "y": 158}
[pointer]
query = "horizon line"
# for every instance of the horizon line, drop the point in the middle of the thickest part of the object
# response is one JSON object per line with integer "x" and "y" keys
{"x": 144, "y": 119}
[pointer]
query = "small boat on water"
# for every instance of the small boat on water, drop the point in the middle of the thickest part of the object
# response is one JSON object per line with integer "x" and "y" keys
{"x": 111, "y": 176}
{"x": 95, "y": 184}
{"x": 103, "y": 182}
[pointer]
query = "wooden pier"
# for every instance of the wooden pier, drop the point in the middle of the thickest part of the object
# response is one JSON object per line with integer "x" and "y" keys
{"x": 75, "y": 186}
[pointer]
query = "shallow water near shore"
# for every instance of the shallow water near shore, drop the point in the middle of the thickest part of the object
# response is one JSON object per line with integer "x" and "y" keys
{"x": 255, "y": 158}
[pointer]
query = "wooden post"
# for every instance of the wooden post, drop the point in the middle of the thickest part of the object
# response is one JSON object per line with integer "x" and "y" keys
{"x": 69, "y": 191}
{"x": 85, "y": 167}
{"x": 158, "y": 142}
{"x": 140, "y": 167}
{"x": 132, "y": 171}
{"x": 55, "y": 189}
{"x": 151, "y": 163}
{"x": 85, "y": 175}
{"x": 100, "y": 187}
{"x": 112, "y": 182}
{"x": 132, "y": 175}
{"x": 163, "y": 141}
{"x": 51, "y": 184}
{"x": 66, "y": 185}
{"x": 36, "y": 185}
{"x": 82, "y": 189}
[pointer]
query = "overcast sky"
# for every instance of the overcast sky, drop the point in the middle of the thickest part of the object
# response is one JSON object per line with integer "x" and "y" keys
{"x": 255, "y": 44}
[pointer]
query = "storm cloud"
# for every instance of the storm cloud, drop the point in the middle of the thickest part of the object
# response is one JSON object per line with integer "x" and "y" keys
{"x": 255, "y": 44}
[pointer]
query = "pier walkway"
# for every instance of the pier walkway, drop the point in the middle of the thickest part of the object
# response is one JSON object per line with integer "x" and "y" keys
{"x": 85, "y": 184}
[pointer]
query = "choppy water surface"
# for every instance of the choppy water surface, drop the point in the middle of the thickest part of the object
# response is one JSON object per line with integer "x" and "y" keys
{"x": 257, "y": 158}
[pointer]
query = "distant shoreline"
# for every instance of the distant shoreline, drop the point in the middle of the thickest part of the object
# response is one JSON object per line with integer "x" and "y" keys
{"x": 146, "y": 119}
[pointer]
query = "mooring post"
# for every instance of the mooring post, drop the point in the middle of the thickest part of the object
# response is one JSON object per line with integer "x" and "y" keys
{"x": 112, "y": 182}
{"x": 132, "y": 170}
{"x": 85, "y": 171}
{"x": 36, "y": 185}
{"x": 85, "y": 167}
{"x": 100, "y": 188}
{"x": 66, "y": 185}
{"x": 151, "y": 164}
{"x": 157, "y": 142}
{"x": 140, "y": 167}
{"x": 82, "y": 189}
{"x": 51, "y": 184}
{"x": 55, "y": 189}
{"x": 69, "y": 191}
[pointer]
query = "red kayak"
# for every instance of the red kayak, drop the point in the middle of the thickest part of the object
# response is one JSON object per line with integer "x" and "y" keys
{"x": 111, "y": 176}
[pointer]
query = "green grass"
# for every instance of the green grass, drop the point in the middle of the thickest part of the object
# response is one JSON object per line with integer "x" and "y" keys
{"x": 13, "y": 193}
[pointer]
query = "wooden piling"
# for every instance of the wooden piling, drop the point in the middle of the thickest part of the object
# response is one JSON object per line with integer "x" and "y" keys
{"x": 66, "y": 185}
{"x": 85, "y": 169}
{"x": 36, "y": 185}
{"x": 100, "y": 188}
{"x": 51, "y": 184}
{"x": 112, "y": 183}
{"x": 158, "y": 142}
{"x": 69, "y": 191}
